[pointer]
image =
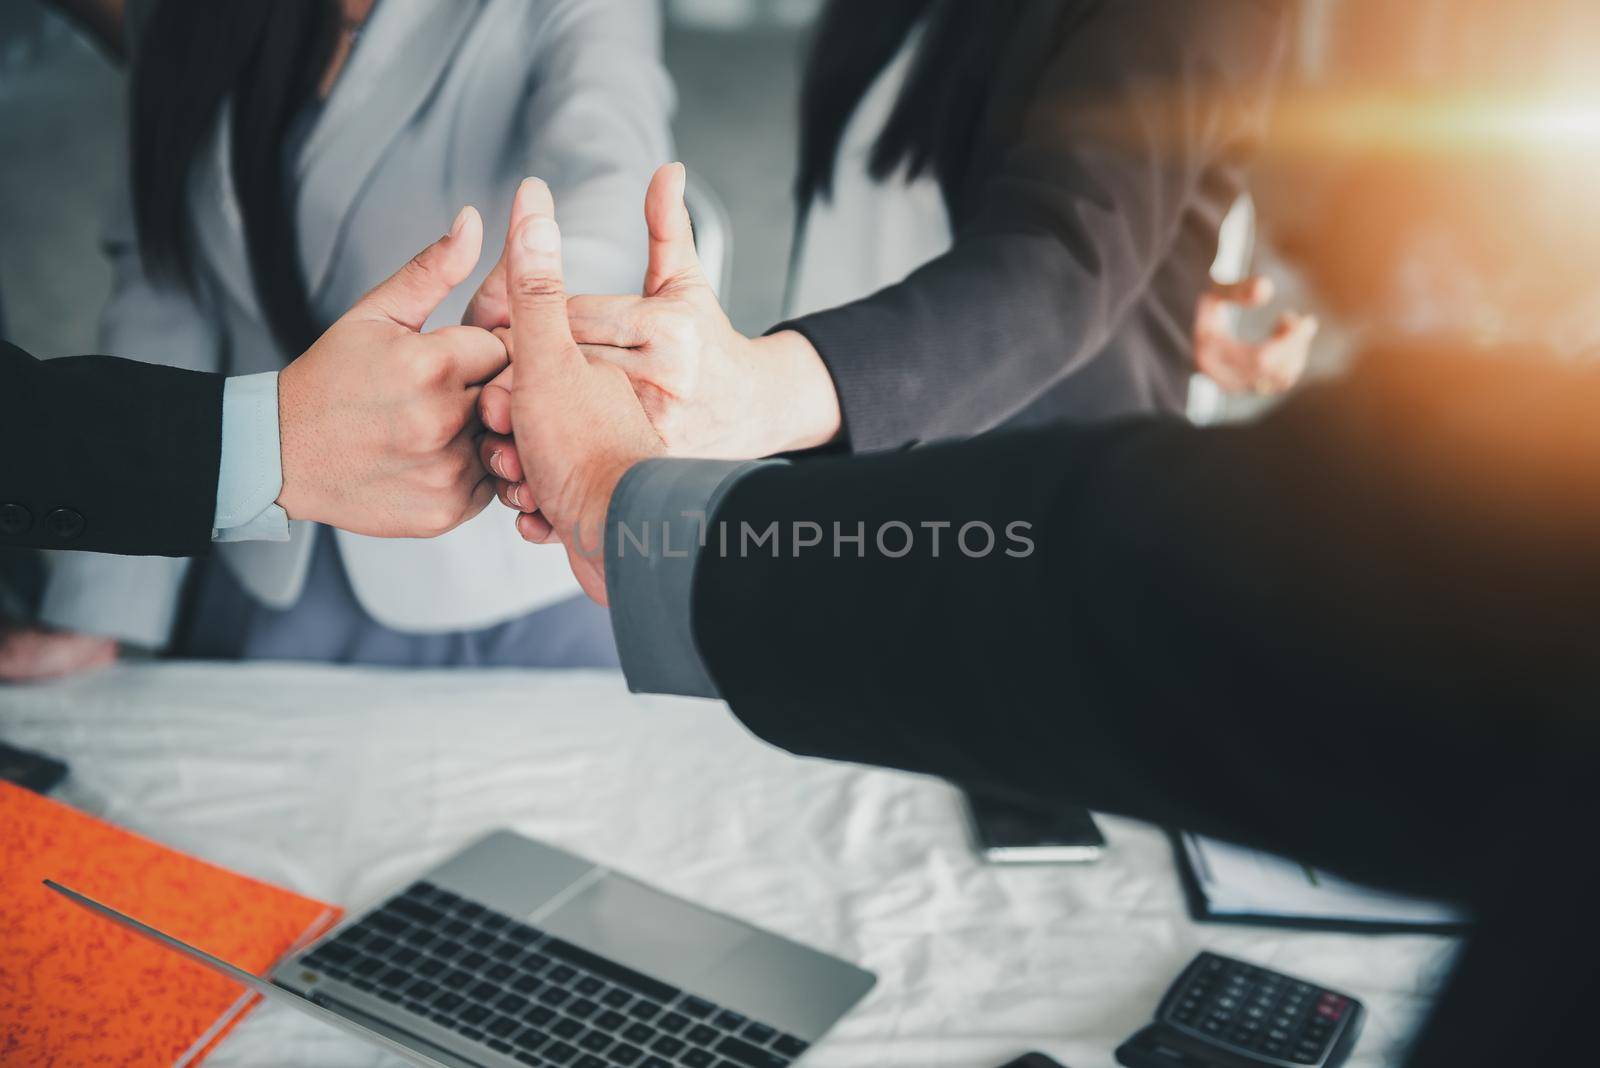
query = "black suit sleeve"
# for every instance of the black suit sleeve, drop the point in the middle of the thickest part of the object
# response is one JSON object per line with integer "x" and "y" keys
{"x": 107, "y": 455}
{"x": 1144, "y": 103}
{"x": 1353, "y": 632}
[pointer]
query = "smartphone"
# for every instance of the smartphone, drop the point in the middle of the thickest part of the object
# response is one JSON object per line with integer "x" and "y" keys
{"x": 1034, "y": 1060}
{"x": 33, "y": 771}
{"x": 1006, "y": 832}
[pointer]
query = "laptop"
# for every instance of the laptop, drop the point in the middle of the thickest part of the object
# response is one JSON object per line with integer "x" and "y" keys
{"x": 515, "y": 953}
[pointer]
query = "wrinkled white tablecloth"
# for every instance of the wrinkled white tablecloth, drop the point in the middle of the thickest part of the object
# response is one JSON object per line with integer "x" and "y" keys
{"x": 343, "y": 784}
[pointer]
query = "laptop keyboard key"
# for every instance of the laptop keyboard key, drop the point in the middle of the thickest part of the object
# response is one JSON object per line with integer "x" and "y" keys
{"x": 483, "y": 991}
{"x": 595, "y": 1041}
{"x": 449, "y": 1002}
{"x": 499, "y": 973}
{"x": 644, "y": 1010}
{"x": 511, "y": 1003}
{"x": 473, "y": 961}
{"x": 790, "y": 1046}
{"x": 531, "y": 1039}
{"x": 555, "y": 996}
{"x": 737, "y": 1049}
{"x": 639, "y": 1033}
{"x": 667, "y": 1046}
{"x": 699, "y": 1008}
{"x": 698, "y": 1058}
{"x": 588, "y": 986}
{"x": 501, "y": 1026}
{"x": 616, "y": 998}
{"x": 567, "y": 1027}
{"x": 673, "y": 1022}
{"x": 527, "y": 984}
{"x": 457, "y": 979}
{"x": 625, "y": 1055}
{"x": 583, "y": 1008}
{"x": 610, "y": 1020}
{"x": 589, "y": 1060}
{"x": 702, "y": 1035}
{"x": 539, "y": 1016}
{"x": 474, "y": 1014}
{"x": 759, "y": 1033}
{"x": 561, "y": 973}
{"x": 610, "y": 969}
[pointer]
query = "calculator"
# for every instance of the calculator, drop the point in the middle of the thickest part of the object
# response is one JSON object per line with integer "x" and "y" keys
{"x": 1224, "y": 1013}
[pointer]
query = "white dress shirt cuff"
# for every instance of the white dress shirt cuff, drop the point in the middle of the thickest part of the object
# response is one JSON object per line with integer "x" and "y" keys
{"x": 251, "y": 474}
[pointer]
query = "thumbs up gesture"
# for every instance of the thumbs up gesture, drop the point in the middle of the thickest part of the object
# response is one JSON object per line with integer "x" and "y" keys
{"x": 377, "y": 420}
{"x": 709, "y": 390}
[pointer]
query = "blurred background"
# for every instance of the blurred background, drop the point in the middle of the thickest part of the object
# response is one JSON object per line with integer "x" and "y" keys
{"x": 1431, "y": 169}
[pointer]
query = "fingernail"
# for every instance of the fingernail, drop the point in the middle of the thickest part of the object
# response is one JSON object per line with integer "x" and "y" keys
{"x": 461, "y": 220}
{"x": 515, "y": 493}
{"x": 540, "y": 234}
{"x": 495, "y": 465}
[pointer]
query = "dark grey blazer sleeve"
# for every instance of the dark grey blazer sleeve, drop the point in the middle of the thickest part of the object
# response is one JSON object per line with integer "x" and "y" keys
{"x": 656, "y": 529}
{"x": 1142, "y": 102}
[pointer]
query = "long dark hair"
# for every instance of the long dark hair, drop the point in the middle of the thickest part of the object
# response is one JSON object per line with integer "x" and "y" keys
{"x": 193, "y": 56}
{"x": 936, "y": 120}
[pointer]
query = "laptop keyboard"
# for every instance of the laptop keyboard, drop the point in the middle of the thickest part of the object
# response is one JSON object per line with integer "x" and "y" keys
{"x": 534, "y": 997}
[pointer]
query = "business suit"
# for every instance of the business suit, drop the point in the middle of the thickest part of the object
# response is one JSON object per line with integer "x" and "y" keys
{"x": 108, "y": 456}
{"x": 443, "y": 103}
{"x": 1085, "y": 202}
{"x": 1361, "y": 632}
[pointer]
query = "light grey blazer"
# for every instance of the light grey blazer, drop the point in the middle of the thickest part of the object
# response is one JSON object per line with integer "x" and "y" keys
{"x": 443, "y": 103}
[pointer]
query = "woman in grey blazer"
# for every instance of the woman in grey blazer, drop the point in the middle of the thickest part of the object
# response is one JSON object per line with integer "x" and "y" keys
{"x": 388, "y": 118}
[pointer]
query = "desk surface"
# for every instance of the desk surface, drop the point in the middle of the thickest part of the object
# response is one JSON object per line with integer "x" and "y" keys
{"x": 344, "y": 784}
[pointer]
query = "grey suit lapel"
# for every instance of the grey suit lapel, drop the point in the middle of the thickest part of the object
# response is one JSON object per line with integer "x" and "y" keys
{"x": 404, "y": 51}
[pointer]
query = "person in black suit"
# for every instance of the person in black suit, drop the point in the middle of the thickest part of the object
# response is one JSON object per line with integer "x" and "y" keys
{"x": 1361, "y": 631}
{"x": 1041, "y": 196}
{"x": 372, "y": 430}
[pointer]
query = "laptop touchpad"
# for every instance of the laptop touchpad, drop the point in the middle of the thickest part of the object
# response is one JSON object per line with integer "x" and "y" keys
{"x": 646, "y": 930}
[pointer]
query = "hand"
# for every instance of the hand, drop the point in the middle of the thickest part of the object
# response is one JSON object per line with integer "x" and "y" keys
{"x": 35, "y": 654}
{"x": 1270, "y": 367}
{"x": 708, "y": 390}
{"x": 578, "y": 424}
{"x": 378, "y": 421}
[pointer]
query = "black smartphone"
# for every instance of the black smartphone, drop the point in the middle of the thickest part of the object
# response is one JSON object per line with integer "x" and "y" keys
{"x": 1033, "y": 1060}
{"x": 35, "y": 771}
{"x": 1006, "y": 832}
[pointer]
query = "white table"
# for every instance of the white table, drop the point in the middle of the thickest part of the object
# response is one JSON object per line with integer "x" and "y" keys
{"x": 343, "y": 784}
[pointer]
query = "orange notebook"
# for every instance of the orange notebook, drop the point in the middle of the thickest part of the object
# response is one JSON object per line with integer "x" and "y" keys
{"x": 77, "y": 990}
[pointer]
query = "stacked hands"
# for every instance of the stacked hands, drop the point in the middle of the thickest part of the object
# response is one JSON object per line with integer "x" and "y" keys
{"x": 546, "y": 400}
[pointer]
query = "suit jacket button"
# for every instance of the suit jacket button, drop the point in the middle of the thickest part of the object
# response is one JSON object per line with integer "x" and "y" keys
{"x": 15, "y": 520}
{"x": 65, "y": 523}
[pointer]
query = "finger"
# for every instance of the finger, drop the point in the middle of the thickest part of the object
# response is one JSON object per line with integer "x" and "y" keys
{"x": 515, "y": 496}
{"x": 629, "y": 360}
{"x": 673, "y": 259}
{"x": 534, "y": 527}
{"x": 412, "y": 293}
{"x": 499, "y": 455}
{"x": 476, "y": 355}
{"x": 1252, "y": 292}
{"x": 621, "y": 321}
{"x": 489, "y": 307}
{"x": 494, "y": 407}
{"x": 539, "y": 331}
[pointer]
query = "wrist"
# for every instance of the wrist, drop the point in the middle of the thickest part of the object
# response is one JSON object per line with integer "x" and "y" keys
{"x": 796, "y": 395}
{"x": 297, "y": 498}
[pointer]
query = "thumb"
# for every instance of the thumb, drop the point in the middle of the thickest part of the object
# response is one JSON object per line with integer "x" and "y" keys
{"x": 412, "y": 293}
{"x": 673, "y": 259}
{"x": 540, "y": 334}
{"x": 490, "y": 308}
